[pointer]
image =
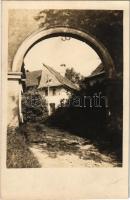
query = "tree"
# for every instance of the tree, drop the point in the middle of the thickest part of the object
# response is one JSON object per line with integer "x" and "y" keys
{"x": 105, "y": 25}
{"x": 73, "y": 76}
{"x": 34, "y": 107}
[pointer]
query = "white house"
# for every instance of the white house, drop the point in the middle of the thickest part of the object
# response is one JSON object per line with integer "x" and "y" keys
{"x": 52, "y": 85}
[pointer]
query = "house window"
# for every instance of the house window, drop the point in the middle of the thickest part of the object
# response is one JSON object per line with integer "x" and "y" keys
{"x": 54, "y": 91}
{"x": 46, "y": 92}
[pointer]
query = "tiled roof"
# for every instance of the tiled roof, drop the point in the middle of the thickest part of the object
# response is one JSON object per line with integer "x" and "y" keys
{"x": 48, "y": 76}
{"x": 98, "y": 70}
{"x": 57, "y": 80}
{"x": 33, "y": 78}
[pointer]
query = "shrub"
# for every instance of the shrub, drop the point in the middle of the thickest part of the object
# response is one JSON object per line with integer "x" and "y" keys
{"x": 34, "y": 107}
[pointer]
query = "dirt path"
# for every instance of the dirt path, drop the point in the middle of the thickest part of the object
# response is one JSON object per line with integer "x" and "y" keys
{"x": 60, "y": 149}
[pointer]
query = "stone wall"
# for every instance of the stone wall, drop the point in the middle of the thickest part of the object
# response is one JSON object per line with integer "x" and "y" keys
{"x": 106, "y": 26}
{"x": 21, "y": 25}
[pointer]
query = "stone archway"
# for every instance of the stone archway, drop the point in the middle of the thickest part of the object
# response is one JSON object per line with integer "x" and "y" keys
{"x": 14, "y": 77}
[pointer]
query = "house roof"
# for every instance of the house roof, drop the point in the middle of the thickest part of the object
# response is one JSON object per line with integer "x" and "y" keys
{"x": 55, "y": 79}
{"x": 48, "y": 76}
{"x": 33, "y": 78}
{"x": 99, "y": 71}
{"x": 48, "y": 79}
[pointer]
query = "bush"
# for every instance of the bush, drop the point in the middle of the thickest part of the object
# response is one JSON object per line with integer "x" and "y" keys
{"x": 34, "y": 107}
{"x": 18, "y": 153}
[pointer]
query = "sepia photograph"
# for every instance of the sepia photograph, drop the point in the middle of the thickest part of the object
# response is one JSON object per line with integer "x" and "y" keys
{"x": 65, "y": 100}
{"x": 65, "y": 88}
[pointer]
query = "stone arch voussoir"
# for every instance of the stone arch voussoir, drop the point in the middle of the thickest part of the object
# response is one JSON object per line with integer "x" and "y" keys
{"x": 52, "y": 32}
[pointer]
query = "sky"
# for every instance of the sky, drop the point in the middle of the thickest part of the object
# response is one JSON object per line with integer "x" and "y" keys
{"x": 57, "y": 51}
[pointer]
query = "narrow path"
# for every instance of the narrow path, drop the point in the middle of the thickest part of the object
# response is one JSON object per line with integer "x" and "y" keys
{"x": 61, "y": 149}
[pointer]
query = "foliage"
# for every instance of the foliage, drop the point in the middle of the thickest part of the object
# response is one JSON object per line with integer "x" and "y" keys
{"x": 94, "y": 122}
{"x": 68, "y": 17}
{"x": 18, "y": 153}
{"x": 105, "y": 25}
{"x": 73, "y": 76}
{"x": 73, "y": 117}
{"x": 33, "y": 132}
{"x": 34, "y": 107}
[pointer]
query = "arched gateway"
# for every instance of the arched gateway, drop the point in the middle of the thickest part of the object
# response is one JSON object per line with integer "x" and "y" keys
{"x": 14, "y": 77}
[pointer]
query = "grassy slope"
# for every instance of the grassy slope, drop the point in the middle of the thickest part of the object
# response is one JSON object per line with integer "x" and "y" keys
{"x": 18, "y": 153}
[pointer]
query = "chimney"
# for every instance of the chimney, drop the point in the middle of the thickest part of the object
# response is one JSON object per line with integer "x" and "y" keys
{"x": 62, "y": 69}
